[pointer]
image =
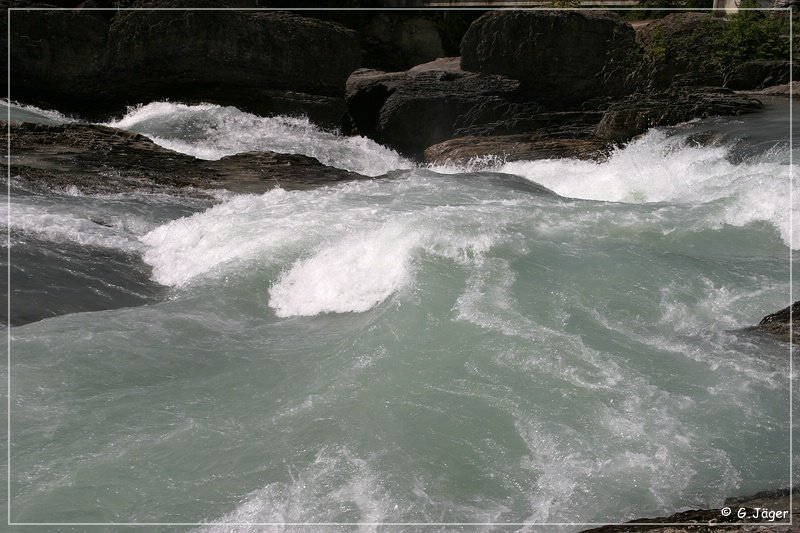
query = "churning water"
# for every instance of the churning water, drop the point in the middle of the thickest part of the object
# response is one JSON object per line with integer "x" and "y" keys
{"x": 451, "y": 344}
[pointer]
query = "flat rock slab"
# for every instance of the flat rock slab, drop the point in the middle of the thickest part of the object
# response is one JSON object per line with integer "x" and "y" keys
{"x": 516, "y": 148}
{"x": 787, "y": 90}
{"x": 99, "y": 159}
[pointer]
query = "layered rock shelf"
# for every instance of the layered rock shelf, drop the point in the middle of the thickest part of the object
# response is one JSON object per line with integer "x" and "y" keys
{"x": 99, "y": 159}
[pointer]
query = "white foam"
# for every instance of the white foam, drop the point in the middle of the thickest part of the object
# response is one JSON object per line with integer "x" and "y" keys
{"x": 342, "y": 249}
{"x": 30, "y": 113}
{"x": 211, "y": 132}
{"x": 661, "y": 167}
{"x": 61, "y": 225}
{"x": 192, "y": 246}
{"x": 351, "y": 275}
{"x": 336, "y": 480}
{"x": 653, "y": 168}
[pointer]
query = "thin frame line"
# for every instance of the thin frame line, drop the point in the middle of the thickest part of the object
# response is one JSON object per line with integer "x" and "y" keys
{"x": 791, "y": 273}
{"x": 378, "y": 9}
{"x": 214, "y": 523}
{"x": 8, "y": 260}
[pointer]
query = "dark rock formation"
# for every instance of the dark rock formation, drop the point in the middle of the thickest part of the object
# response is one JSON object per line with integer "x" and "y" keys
{"x": 433, "y": 102}
{"x": 520, "y": 147}
{"x": 712, "y": 520}
{"x": 562, "y": 58}
{"x": 635, "y": 114}
{"x": 98, "y": 159}
{"x": 263, "y": 62}
{"x": 778, "y": 324}
{"x": 684, "y": 49}
{"x": 56, "y": 57}
{"x": 450, "y": 114}
{"x": 759, "y": 74}
{"x": 679, "y": 49}
{"x": 394, "y": 41}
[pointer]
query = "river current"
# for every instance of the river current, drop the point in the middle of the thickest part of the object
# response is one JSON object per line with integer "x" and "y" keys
{"x": 554, "y": 341}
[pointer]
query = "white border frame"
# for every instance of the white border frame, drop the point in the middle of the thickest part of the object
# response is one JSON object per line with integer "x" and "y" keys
{"x": 9, "y": 10}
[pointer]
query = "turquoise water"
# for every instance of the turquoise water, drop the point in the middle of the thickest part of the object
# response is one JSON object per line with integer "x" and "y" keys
{"x": 453, "y": 344}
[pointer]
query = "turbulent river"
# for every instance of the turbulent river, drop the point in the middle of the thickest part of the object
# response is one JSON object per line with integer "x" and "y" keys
{"x": 533, "y": 341}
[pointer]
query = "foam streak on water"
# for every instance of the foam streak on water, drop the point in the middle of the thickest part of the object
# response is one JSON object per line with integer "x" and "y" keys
{"x": 435, "y": 347}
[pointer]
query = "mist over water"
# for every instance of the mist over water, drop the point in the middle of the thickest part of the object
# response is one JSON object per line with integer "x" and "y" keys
{"x": 446, "y": 345}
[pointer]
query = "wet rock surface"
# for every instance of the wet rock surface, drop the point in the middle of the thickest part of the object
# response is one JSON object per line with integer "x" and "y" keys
{"x": 99, "y": 159}
{"x": 516, "y": 148}
{"x": 756, "y": 510}
{"x": 780, "y": 323}
{"x": 636, "y": 114}
{"x": 430, "y": 103}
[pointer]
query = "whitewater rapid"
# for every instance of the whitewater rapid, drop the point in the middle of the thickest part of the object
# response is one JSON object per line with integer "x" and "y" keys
{"x": 443, "y": 344}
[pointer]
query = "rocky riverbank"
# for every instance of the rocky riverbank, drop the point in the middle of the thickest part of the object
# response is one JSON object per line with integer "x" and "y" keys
{"x": 532, "y": 84}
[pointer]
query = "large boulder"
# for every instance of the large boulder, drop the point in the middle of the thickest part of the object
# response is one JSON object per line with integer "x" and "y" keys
{"x": 55, "y": 57}
{"x": 263, "y": 62}
{"x": 562, "y": 58}
{"x": 430, "y": 103}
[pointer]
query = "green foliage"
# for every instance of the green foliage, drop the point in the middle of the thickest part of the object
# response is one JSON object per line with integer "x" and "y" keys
{"x": 658, "y": 47}
{"x": 751, "y": 35}
{"x": 562, "y": 4}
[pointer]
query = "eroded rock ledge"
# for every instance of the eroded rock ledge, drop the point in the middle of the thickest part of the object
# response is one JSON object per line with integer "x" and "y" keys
{"x": 99, "y": 159}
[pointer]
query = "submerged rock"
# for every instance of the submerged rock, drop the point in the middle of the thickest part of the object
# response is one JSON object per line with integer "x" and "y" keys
{"x": 77, "y": 278}
{"x": 99, "y": 159}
